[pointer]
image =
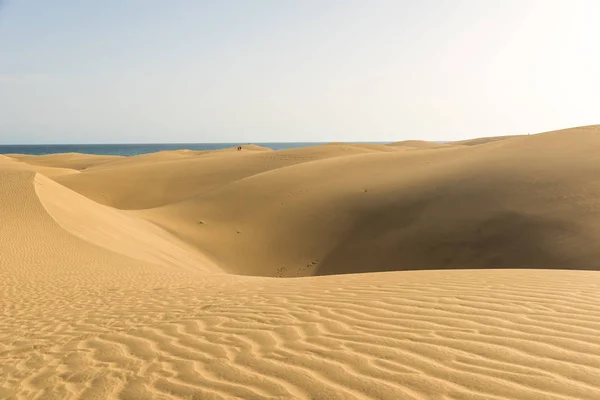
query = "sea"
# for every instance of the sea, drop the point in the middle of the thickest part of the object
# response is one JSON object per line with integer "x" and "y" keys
{"x": 134, "y": 149}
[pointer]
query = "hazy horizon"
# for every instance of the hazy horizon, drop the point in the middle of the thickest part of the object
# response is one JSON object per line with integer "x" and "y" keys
{"x": 142, "y": 72}
{"x": 161, "y": 143}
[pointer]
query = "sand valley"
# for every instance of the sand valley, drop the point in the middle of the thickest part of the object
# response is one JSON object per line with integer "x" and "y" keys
{"x": 413, "y": 270}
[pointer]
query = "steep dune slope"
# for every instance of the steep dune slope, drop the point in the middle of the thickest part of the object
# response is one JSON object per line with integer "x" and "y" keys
{"x": 66, "y": 213}
{"x": 115, "y": 230}
{"x": 529, "y": 202}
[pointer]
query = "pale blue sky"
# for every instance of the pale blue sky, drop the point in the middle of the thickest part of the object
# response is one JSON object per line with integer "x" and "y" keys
{"x": 308, "y": 70}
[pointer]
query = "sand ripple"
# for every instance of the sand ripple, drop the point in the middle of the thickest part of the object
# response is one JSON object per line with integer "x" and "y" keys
{"x": 121, "y": 309}
{"x": 413, "y": 335}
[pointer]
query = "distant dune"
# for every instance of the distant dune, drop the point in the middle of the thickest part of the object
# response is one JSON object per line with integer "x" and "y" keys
{"x": 75, "y": 161}
{"x": 520, "y": 202}
{"x": 478, "y": 141}
{"x": 154, "y": 276}
{"x": 417, "y": 144}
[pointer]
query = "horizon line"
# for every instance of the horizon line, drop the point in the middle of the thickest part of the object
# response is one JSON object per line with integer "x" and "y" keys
{"x": 238, "y": 142}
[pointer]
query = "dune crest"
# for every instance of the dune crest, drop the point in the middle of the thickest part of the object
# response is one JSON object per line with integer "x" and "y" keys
{"x": 116, "y": 231}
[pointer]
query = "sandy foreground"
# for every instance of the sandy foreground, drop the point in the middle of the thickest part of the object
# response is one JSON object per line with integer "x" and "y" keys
{"x": 262, "y": 274}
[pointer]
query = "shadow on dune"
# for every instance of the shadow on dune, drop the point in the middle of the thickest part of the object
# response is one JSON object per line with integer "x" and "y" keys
{"x": 393, "y": 241}
{"x": 520, "y": 202}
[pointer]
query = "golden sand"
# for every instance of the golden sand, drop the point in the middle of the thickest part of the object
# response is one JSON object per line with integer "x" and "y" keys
{"x": 156, "y": 276}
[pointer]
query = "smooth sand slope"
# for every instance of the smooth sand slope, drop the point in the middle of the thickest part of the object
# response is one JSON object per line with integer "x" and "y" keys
{"x": 76, "y": 161}
{"x": 417, "y": 144}
{"x": 484, "y": 140}
{"x": 175, "y": 178}
{"x": 121, "y": 292}
{"x": 523, "y": 202}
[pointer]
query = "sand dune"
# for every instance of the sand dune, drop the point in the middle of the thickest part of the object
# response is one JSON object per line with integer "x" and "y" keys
{"x": 75, "y": 161}
{"x": 526, "y": 202}
{"x": 52, "y": 172}
{"x": 119, "y": 291}
{"x": 171, "y": 155}
{"x": 330, "y": 150}
{"x": 417, "y": 144}
{"x": 478, "y": 141}
{"x": 172, "y": 180}
{"x": 377, "y": 147}
{"x": 115, "y": 230}
{"x": 176, "y": 177}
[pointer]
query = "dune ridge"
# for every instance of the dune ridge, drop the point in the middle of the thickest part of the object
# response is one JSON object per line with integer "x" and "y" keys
{"x": 114, "y": 230}
{"x": 77, "y": 161}
{"x": 112, "y": 292}
{"x": 523, "y": 202}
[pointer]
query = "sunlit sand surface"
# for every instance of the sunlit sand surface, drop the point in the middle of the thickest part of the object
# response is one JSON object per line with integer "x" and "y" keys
{"x": 409, "y": 271}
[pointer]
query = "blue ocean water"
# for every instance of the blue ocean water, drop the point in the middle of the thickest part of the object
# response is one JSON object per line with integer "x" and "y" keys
{"x": 134, "y": 149}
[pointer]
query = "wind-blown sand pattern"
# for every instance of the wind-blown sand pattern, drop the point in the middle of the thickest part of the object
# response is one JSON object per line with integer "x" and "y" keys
{"x": 115, "y": 284}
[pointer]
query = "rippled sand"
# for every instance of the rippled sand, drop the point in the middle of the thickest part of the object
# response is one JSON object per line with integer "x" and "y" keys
{"x": 138, "y": 277}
